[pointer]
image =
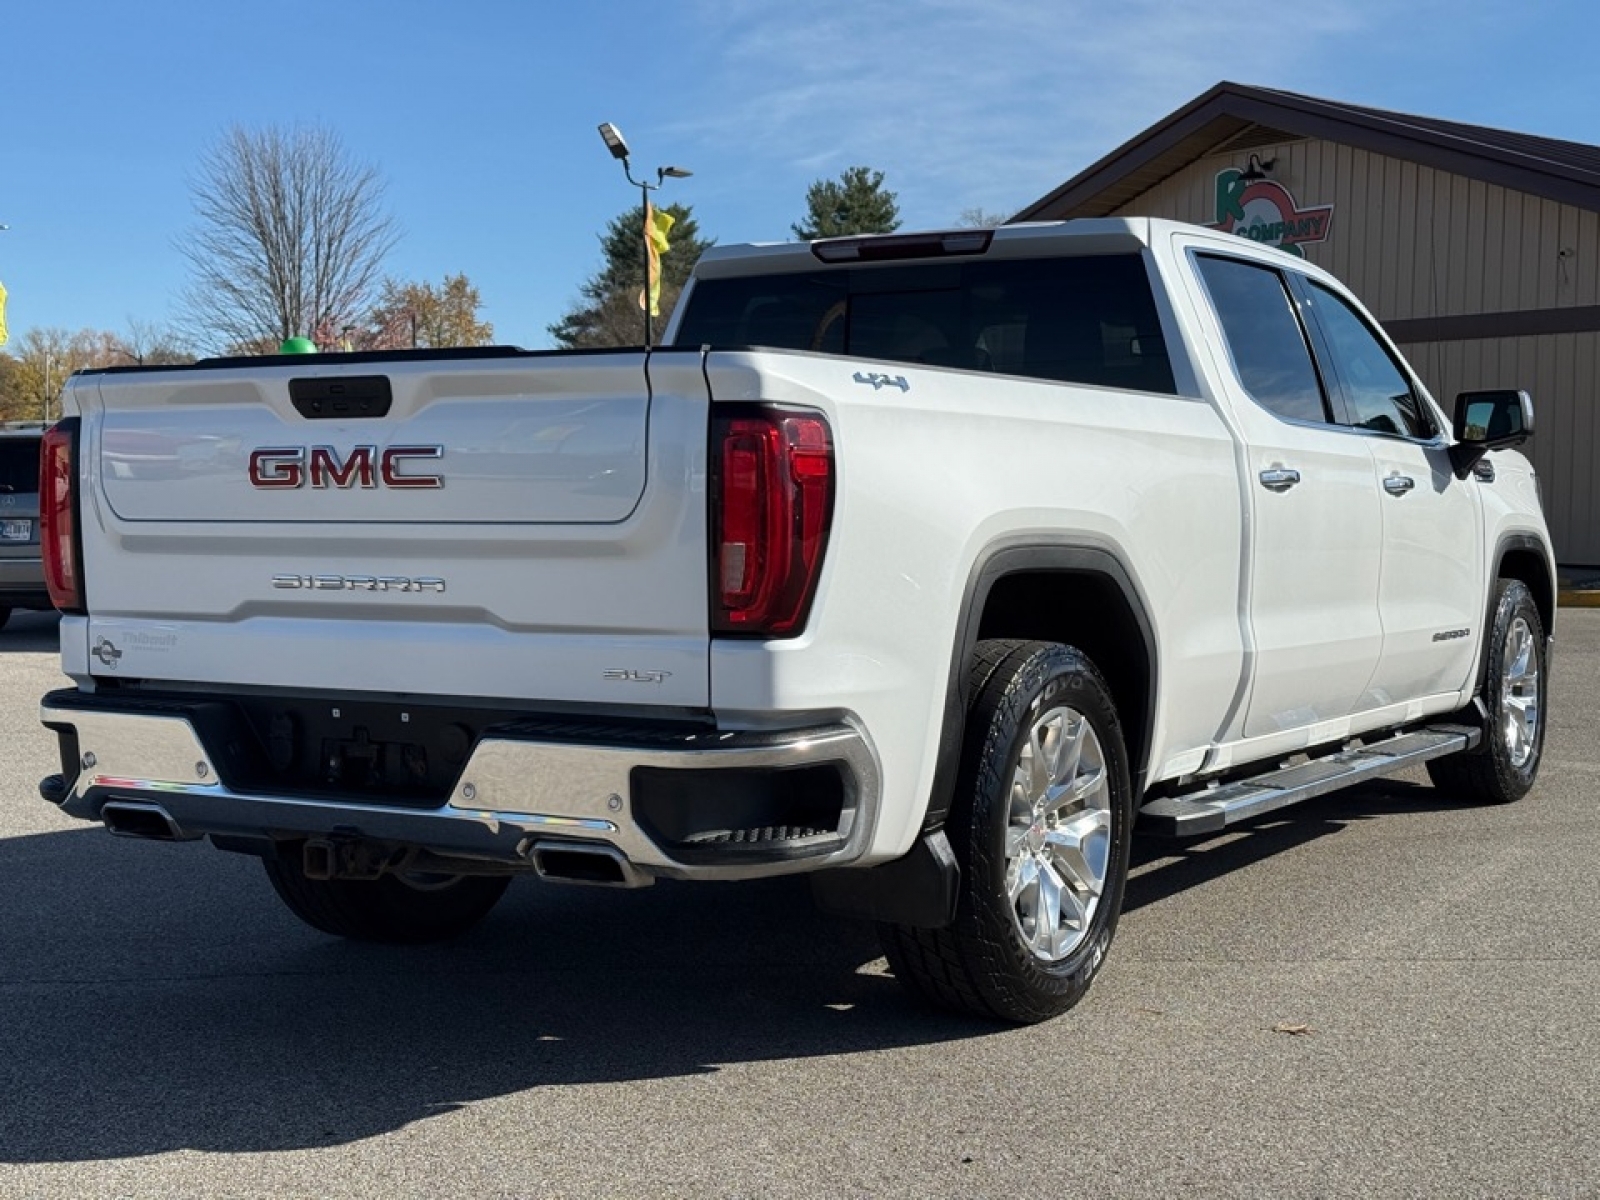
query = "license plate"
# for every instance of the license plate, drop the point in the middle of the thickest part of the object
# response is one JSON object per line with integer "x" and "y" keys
{"x": 16, "y": 531}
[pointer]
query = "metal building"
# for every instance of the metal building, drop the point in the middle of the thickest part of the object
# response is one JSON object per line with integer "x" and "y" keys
{"x": 1478, "y": 249}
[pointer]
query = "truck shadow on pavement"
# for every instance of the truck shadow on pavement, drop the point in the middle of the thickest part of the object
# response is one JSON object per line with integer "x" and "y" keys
{"x": 1164, "y": 867}
{"x": 158, "y": 998}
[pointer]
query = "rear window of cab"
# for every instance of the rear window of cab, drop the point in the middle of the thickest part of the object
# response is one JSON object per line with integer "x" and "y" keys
{"x": 1089, "y": 319}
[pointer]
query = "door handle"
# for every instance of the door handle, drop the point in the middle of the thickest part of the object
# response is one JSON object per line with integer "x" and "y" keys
{"x": 1279, "y": 479}
{"x": 1398, "y": 485}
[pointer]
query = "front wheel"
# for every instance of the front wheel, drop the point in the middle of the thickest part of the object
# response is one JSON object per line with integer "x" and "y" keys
{"x": 403, "y": 907}
{"x": 1040, "y": 826}
{"x": 1504, "y": 767}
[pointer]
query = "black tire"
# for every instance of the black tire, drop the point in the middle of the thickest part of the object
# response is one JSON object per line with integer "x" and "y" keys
{"x": 989, "y": 963}
{"x": 1503, "y": 767}
{"x": 405, "y": 909}
{"x": 5, "y": 615}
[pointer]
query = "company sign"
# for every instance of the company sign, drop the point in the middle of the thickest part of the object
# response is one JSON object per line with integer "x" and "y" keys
{"x": 1265, "y": 211}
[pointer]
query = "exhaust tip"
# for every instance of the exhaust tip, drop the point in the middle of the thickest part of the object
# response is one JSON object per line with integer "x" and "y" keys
{"x": 140, "y": 820}
{"x": 586, "y": 863}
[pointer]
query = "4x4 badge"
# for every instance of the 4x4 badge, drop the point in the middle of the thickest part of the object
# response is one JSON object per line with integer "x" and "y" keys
{"x": 882, "y": 381}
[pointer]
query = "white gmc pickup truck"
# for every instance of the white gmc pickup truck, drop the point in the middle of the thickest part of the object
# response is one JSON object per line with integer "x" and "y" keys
{"x": 931, "y": 564}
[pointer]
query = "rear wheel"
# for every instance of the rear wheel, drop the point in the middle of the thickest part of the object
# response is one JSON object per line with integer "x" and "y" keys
{"x": 403, "y": 907}
{"x": 1040, "y": 826}
{"x": 1502, "y": 769}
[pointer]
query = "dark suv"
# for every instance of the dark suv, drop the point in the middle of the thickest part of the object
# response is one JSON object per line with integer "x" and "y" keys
{"x": 21, "y": 573}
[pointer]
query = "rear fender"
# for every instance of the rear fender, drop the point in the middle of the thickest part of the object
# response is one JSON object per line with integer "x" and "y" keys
{"x": 1122, "y": 646}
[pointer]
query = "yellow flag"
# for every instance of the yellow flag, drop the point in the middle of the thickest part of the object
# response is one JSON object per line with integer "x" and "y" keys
{"x": 3, "y": 334}
{"x": 657, "y": 225}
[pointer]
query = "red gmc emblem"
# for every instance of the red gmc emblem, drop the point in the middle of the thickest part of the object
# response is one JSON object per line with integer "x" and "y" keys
{"x": 324, "y": 467}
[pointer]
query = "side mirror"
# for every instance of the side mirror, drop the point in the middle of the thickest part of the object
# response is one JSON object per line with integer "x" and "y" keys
{"x": 1489, "y": 421}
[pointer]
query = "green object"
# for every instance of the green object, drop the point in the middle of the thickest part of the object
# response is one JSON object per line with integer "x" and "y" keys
{"x": 298, "y": 345}
{"x": 854, "y": 203}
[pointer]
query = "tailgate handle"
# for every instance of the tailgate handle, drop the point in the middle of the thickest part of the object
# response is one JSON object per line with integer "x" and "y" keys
{"x": 341, "y": 397}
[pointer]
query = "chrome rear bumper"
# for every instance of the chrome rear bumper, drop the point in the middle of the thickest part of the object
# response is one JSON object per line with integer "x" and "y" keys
{"x": 515, "y": 793}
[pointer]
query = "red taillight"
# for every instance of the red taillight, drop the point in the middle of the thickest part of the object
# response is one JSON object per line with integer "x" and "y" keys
{"x": 58, "y": 516}
{"x": 772, "y": 502}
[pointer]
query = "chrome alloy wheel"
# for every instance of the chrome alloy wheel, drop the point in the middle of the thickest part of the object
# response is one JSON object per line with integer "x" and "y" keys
{"x": 1519, "y": 693}
{"x": 1058, "y": 834}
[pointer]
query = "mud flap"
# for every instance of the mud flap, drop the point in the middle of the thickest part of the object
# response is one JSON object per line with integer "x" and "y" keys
{"x": 918, "y": 890}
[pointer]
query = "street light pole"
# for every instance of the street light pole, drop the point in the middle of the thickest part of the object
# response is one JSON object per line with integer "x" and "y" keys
{"x": 612, "y": 137}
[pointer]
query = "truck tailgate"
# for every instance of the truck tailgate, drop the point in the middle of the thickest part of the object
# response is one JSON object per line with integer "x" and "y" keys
{"x": 528, "y": 527}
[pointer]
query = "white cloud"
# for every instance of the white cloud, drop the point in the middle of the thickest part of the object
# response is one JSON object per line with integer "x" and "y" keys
{"x": 980, "y": 103}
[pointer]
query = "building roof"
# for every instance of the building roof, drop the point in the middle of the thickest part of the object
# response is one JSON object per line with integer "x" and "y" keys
{"x": 1236, "y": 117}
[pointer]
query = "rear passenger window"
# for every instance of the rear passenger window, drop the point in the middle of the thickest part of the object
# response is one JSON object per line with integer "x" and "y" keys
{"x": 1265, "y": 338}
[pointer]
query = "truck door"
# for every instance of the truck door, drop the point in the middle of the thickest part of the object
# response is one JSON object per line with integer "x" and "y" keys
{"x": 1430, "y": 595}
{"x": 1315, "y": 520}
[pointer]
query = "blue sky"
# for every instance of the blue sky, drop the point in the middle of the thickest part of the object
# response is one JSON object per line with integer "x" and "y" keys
{"x": 481, "y": 114}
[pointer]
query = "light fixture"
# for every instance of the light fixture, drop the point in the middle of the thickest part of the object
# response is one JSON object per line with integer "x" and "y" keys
{"x": 612, "y": 137}
{"x": 1256, "y": 169}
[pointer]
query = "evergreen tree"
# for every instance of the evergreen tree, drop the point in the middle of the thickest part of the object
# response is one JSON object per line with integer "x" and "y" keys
{"x": 853, "y": 203}
{"x": 609, "y": 313}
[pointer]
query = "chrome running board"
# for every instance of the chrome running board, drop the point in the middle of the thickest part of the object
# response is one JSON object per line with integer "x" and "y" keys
{"x": 1214, "y": 808}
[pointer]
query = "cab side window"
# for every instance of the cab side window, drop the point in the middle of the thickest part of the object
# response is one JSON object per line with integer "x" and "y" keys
{"x": 1265, "y": 338}
{"x": 1377, "y": 393}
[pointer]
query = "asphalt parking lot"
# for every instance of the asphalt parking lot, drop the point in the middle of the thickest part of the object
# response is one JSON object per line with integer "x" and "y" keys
{"x": 1381, "y": 994}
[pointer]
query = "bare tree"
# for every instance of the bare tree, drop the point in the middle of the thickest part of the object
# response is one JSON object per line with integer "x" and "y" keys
{"x": 148, "y": 343}
{"x": 33, "y": 374}
{"x": 290, "y": 237}
{"x": 980, "y": 218}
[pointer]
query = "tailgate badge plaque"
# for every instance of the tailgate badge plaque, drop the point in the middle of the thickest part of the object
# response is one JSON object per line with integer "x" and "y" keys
{"x": 359, "y": 583}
